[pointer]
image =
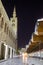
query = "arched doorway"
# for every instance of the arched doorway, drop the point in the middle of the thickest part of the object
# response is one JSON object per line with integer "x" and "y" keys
{"x": 2, "y": 51}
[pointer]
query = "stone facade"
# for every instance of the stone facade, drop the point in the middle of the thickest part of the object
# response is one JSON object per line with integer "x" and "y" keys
{"x": 8, "y": 34}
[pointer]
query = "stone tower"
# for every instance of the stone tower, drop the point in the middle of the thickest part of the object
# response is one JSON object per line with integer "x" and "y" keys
{"x": 14, "y": 22}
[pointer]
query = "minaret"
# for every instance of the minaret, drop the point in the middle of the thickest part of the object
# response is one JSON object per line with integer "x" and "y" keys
{"x": 14, "y": 21}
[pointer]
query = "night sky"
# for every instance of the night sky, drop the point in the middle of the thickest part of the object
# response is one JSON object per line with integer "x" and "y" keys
{"x": 27, "y": 12}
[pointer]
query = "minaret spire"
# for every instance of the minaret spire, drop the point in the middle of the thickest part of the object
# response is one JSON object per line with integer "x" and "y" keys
{"x": 14, "y": 12}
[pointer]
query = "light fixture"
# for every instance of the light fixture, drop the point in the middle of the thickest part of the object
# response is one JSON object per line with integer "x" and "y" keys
{"x": 40, "y": 19}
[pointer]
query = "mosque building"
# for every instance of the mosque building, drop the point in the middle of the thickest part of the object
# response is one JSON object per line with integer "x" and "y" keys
{"x": 8, "y": 33}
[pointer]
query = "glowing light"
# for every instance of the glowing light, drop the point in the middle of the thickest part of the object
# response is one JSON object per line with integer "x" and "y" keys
{"x": 25, "y": 57}
{"x": 40, "y": 19}
{"x": 36, "y": 28}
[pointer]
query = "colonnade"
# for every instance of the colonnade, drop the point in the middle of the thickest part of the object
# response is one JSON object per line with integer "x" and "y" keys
{"x": 6, "y": 51}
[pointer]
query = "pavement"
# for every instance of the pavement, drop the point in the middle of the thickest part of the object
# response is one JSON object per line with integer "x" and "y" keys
{"x": 18, "y": 61}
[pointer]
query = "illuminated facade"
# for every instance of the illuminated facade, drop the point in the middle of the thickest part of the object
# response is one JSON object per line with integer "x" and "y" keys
{"x": 8, "y": 34}
{"x": 36, "y": 44}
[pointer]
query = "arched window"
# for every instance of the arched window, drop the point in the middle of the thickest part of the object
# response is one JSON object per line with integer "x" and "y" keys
{"x": 1, "y": 20}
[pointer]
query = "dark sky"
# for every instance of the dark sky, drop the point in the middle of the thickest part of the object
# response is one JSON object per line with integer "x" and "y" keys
{"x": 27, "y": 12}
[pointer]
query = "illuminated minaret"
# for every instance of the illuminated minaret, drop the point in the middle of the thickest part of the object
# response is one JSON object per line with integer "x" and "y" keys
{"x": 14, "y": 22}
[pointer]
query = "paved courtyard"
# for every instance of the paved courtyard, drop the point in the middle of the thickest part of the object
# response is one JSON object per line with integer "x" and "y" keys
{"x": 18, "y": 61}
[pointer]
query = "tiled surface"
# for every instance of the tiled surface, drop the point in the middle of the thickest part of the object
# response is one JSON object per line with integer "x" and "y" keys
{"x": 18, "y": 61}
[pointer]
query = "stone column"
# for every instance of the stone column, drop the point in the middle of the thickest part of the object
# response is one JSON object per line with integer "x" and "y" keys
{"x": 6, "y": 51}
{"x": 11, "y": 53}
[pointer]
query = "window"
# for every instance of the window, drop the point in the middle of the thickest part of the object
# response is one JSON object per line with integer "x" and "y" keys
{"x": 0, "y": 14}
{"x": 7, "y": 30}
{"x": 13, "y": 24}
{"x": 5, "y": 27}
{"x": 2, "y": 22}
{"x": 13, "y": 20}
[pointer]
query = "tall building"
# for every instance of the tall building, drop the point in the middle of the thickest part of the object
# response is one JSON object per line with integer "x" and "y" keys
{"x": 8, "y": 33}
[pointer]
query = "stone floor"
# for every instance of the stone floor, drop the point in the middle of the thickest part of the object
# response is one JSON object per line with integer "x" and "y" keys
{"x": 18, "y": 61}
